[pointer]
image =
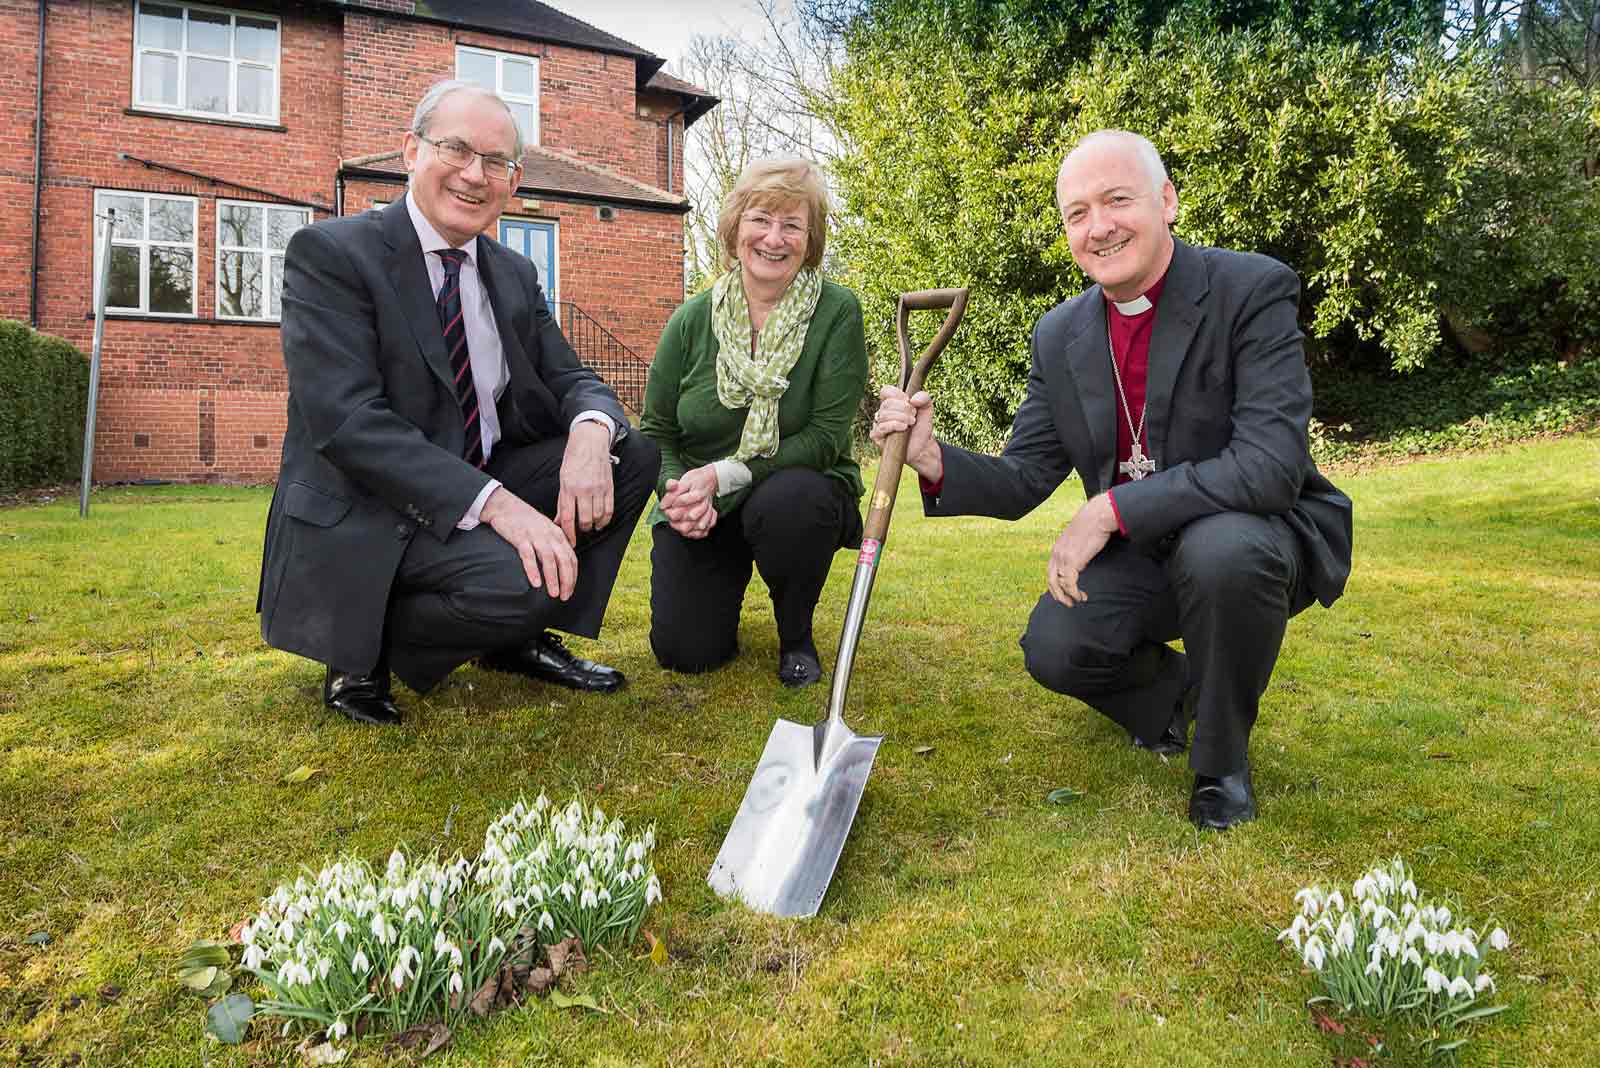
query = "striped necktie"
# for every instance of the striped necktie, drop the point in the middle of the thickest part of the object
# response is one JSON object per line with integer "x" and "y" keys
{"x": 454, "y": 325}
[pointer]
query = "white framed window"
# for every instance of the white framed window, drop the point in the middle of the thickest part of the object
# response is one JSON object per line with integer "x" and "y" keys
{"x": 208, "y": 61}
{"x": 515, "y": 78}
{"x": 152, "y": 252}
{"x": 251, "y": 238}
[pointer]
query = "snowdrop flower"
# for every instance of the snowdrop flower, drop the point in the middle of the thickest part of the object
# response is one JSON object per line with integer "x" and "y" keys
{"x": 583, "y": 874}
{"x": 652, "y": 892}
{"x": 1413, "y": 932}
{"x": 1314, "y": 954}
{"x": 1484, "y": 983}
{"x": 253, "y": 956}
{"x": 589, "y": 899}
{"x": 496, "y": 947}
{"x": 1498, "y": 939}
{"x": 1335, "y": 901}
{"x": 440, "y": 944}
{"x": 381, "y": 929}
{"x": 1382, "y": 915}
{"x": 337, "y": 1030}
{"x": 1435, "y": 980}
{"x": 1364, "y": 887}
{"x": 1345, "y": 936}
{"x": 397, "y": 866}
{"x": 1385, "y": 883}
{"x": 360, "y": 965}
{"x": 1460, "y": 987}
{"x": 1411, "y": 956}
{"x": 605, "y": 895}
{"x": 436, "y": 898}
{"x": 567, "y": 890}
{"x": 1296, "y": 931}
{"x": 455, "y": 983}
{"x": 1409, "y": 889}
{"x": 1443, "y": 914}
{"x": 546, "y": 921}
{"x": 341, "y": 929}
{"x": 1374, "y": 967}
{"x": 323, "y": 967}
{"x": 1432, "y": 943}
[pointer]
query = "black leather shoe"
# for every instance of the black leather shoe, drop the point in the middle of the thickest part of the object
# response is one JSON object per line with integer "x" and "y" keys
{"x": 1217, "y": 804}
{"x": 548, "y": 660}
{"x": 1175, "y": 738}
{"x": 799, "y": 668}
{"x": 363, "y": 698}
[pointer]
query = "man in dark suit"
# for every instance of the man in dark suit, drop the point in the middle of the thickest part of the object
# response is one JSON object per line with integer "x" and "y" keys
{"x": 447, "y": 487}
{"x": 1177, "y": 388}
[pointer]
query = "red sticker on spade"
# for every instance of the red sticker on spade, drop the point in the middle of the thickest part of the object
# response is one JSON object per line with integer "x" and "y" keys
{"x": 869, "y": 552}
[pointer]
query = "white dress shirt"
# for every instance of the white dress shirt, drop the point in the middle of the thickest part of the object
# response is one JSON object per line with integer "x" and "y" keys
{"x": 490, "y": 374}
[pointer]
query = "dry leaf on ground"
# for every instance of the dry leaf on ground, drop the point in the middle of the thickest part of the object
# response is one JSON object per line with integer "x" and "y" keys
{"x": 423, "y": 1038}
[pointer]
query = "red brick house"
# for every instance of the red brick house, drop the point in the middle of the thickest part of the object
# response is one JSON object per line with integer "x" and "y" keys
{"x": 214, "y": 130}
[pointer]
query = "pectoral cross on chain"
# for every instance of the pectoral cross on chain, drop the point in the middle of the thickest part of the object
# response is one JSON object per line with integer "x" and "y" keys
{"x": 1137, "y": 465}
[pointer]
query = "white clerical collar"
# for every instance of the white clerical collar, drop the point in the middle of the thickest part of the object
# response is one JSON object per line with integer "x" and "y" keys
{"x": 1137, "y": 306}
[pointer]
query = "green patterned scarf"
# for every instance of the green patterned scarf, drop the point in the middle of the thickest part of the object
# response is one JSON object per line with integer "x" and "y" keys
{"x": 757, "y": 381}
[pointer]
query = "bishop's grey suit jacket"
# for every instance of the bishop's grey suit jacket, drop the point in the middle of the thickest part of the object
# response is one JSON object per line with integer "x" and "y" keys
{"x": 1229, "y": 402}
{"x": 372, "y": 454}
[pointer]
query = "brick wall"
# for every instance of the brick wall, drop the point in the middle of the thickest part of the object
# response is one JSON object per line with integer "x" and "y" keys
{"x": 202, "y": 399}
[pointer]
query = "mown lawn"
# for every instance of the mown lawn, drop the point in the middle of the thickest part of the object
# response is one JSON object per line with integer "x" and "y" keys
{"x": 1448, "y": 710}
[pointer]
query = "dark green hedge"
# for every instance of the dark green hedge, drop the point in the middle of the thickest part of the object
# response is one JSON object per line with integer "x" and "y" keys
{"x": 44, "y": 387}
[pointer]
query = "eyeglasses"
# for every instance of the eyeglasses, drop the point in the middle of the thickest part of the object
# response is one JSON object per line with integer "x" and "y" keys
{"x": 760, "y": 220}
{"x": 458, "y": 154}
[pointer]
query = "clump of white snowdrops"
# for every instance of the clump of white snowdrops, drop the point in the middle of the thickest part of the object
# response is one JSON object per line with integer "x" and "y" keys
{"x": 414, "y": 941}
{"x": 1388, "y": 951}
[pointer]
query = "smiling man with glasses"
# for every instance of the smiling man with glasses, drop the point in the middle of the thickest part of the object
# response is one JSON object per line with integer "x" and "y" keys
{"x": 455, "y": 483}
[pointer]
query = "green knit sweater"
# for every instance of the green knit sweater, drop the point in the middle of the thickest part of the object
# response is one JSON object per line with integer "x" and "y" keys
{"x": 683, "y": 416}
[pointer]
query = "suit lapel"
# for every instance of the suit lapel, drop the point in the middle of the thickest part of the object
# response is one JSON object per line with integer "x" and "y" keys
{"x": 410, "y": 275}
{"x": 1178, "y": 319}
{"x": 1089, "y": 362}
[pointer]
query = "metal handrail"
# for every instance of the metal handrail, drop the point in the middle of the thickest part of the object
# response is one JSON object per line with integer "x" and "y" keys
{"x": 601, "y": 351}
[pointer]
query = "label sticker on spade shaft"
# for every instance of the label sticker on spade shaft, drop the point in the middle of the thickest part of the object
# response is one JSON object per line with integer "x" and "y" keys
{"x": 869, "y": 551}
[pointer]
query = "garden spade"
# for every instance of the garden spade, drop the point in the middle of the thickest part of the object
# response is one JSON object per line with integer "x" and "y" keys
{"x": 790, "y": 829}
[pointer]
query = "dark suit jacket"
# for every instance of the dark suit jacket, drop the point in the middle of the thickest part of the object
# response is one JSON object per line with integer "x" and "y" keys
{"x": 372, "y": 450}
{"x": 1229, "y": 404}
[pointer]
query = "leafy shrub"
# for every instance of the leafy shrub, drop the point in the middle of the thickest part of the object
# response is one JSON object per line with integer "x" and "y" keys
{"x": 1365, "y": 414}
{"x": 1397, "y": 185}
{"x": 44, "y": 387}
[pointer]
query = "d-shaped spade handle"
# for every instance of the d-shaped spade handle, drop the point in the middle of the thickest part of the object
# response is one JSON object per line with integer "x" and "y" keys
{"x": 911, "y": 380}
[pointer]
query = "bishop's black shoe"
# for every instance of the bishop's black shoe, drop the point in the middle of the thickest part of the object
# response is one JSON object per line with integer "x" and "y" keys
{"x": 363, "y": 698}
{"x": 1216, "y": 804}
{"x": 798, "y": 668}
{"x": 546, "y": 659}
{"x": 1175, "y": 738}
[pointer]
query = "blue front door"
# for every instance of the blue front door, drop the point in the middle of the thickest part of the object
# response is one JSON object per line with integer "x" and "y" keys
{"x": 537, "y": 241}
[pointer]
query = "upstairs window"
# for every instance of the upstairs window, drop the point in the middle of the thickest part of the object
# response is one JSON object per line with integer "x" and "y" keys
{"x": 515, "y": 78}
{"x": 251, "y": 239}
{"x": 152, "y": 252}
{"x": 205, "y": 61}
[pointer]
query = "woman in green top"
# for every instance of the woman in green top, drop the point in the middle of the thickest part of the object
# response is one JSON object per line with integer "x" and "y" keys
{"x": 751, "y": 397}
